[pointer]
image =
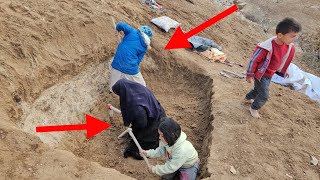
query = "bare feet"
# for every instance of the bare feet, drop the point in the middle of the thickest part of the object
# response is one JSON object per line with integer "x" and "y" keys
{"x": 254, "y": 113}
{"x": 248, "y": 101}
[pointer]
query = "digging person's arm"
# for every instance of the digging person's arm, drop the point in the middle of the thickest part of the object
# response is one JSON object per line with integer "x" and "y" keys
{"x": 122, "y": 26}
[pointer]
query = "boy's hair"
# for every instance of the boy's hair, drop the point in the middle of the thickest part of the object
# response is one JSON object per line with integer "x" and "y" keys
{"x": 288, "y": 25}
{"x": 171, "y": 130}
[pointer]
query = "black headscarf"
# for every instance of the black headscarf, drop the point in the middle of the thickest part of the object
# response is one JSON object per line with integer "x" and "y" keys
{"x": 133, "y": 94}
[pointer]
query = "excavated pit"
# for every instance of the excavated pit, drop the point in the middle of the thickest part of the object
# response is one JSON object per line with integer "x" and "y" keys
{"x": 185, "y": 94}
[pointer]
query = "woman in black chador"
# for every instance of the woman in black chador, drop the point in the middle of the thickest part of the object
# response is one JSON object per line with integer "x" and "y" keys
{"x": 142, "y": 110}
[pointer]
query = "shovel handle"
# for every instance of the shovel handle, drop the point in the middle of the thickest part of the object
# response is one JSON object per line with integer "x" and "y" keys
{"x": 139, "y": 147}
{"x": 110, "y": 107}
{"x": 114, "y": 25}
{"x": 129, "y": 130}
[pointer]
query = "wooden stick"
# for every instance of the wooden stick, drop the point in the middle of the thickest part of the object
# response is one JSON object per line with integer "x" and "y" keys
{"x": 227, "y": 61}
{"x": 122, "y": 134}
{"x": 233, "y": 73}
{"x": 225, "y": 75}
{"x": 129, "y": 130}
{"x": 114, "y": 25}
{"x": 110, "y": 107}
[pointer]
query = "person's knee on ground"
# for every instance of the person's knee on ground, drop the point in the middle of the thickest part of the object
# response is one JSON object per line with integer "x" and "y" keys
{"x": 132, "y": 151}
{"x": 190, "y": 173}
{"x": 172, "y": 176}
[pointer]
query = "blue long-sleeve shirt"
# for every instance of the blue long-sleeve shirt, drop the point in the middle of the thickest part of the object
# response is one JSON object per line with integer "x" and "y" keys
{"x": 130, "y": 50}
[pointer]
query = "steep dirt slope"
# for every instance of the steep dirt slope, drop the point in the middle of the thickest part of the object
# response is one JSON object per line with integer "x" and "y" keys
{"x": 51, "y": 50}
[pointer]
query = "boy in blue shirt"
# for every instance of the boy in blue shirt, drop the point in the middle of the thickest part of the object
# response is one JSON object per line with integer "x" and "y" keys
{"x": 129, "y": 54}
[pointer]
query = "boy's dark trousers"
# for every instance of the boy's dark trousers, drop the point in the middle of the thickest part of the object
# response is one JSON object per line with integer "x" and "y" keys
{"x": 260, "y": 93}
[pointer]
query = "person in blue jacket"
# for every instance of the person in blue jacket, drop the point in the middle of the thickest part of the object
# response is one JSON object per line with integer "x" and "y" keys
{"x": 129, "y": 54}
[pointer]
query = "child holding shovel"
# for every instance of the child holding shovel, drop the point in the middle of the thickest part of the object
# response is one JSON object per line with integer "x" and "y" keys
{"x": 182, "y": 158}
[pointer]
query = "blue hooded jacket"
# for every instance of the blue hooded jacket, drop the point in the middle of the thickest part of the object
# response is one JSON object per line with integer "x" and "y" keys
{"x": 130, "y": 50}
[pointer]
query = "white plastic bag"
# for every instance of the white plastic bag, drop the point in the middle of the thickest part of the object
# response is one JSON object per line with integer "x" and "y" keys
{"x": 165, "y": 23}
{"x": 301, "y": 81}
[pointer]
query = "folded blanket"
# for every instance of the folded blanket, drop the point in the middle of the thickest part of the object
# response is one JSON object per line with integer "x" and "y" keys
{"x": 214, "y": 54}
{"x": 201, "y": 44}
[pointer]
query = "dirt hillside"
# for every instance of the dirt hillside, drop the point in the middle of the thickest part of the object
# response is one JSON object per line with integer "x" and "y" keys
{"x": 54, "y": 60}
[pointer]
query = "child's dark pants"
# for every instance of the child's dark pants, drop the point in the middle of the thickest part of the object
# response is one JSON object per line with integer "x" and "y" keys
{"x": 260, "y": 93}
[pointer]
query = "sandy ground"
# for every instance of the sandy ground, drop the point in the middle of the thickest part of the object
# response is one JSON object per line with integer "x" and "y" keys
{"x": 54, "y": 60}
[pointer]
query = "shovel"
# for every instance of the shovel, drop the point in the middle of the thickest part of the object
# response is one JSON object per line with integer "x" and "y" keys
{"x": 129, "y": 130}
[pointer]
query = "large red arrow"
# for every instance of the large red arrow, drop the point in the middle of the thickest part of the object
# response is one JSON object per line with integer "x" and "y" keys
{"x": 93, "y": 127}
{"x": 180, "y": 39}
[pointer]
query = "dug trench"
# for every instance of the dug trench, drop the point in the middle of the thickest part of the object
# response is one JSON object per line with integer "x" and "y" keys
{"x": 184, "y": 92}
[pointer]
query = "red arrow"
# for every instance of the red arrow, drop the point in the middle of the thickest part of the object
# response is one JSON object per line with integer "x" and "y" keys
{"x": 180, "y": 39}
{"x": 93, "y": 127}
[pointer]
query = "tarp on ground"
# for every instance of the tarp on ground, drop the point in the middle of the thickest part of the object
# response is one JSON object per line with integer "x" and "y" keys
{"x": 202, "y": 44}
{"x": 301, "y": 81}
